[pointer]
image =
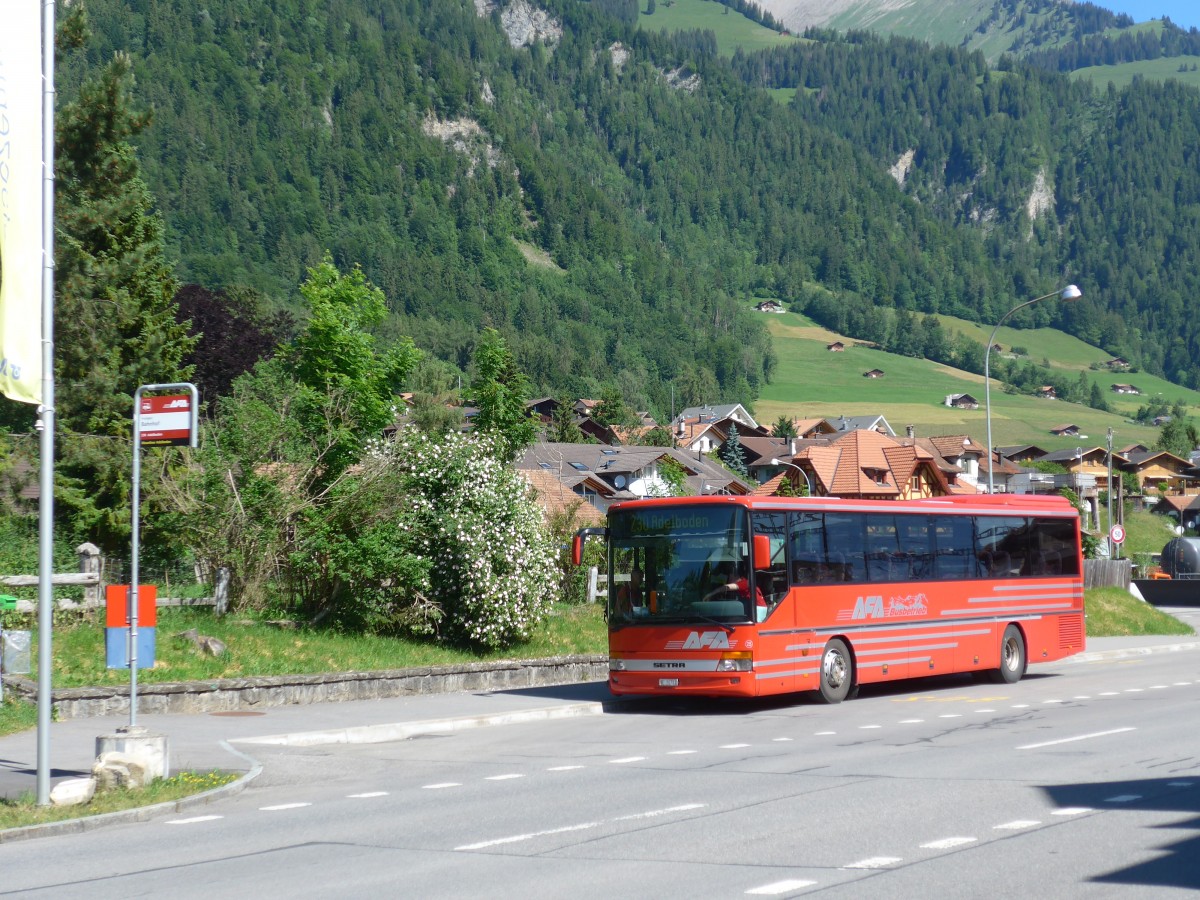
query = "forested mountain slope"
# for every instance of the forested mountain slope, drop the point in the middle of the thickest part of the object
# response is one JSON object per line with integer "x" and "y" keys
{"x": 1053, "y": 175}
{"x": 416, "y": 140}
{"x": 612, "y": 198}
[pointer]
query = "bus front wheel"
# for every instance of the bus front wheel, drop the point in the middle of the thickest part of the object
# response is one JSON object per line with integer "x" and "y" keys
{"x": 1012, "y": 657}
{"x": 837, "y": 672}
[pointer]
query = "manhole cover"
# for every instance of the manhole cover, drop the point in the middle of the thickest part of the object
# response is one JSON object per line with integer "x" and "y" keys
{"x": 238, "y": 713}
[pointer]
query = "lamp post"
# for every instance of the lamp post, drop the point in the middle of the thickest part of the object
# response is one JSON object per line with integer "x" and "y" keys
{"x": 1070, "y": 292}
{"x": 807, "y": 480}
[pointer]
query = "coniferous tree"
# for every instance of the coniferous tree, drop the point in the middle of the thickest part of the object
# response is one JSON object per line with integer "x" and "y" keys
{"x": 731, "y": 453}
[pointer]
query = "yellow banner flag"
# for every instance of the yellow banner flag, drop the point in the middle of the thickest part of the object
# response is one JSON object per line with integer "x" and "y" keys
{"x": 21, "y": 201}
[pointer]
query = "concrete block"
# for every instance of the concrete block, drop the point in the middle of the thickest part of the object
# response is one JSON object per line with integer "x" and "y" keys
{"x": 149, "y": 749}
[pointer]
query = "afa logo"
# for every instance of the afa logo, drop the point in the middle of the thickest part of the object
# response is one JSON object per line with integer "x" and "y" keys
{"x": 707, "y": 640}
{"x": 873, "y": 607}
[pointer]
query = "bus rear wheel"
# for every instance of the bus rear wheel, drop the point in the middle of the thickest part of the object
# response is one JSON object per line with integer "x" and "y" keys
{"x": 837, "y": 672}
{"x": 1012, "y": 657}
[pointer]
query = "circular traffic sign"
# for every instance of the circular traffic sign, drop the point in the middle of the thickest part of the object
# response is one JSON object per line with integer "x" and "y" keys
{"x": 1117, "y": 533}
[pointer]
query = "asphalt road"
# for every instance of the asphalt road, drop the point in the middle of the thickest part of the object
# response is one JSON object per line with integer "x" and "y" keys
{"x": 1083, "y": 780}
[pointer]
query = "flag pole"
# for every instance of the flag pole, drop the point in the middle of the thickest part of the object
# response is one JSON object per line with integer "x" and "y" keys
{"x": 46, "y": 416}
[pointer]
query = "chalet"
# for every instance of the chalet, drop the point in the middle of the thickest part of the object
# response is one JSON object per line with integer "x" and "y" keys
{"x": 1047, "y": 392}
{"x": 704, "y": 429}
{"x": 1117, "y": 363}
{"x": 961, "y": 401}
{"x": 1185, "y": 509}
{"x": 843, "y": 424}
{"x": 836, "y": 347}
{"x": 1065, "y": 431}
{"x": 1019, "y": 453}
{"x": 1159, "y": 470}
{"x": 769, "y": 306}
{"x": 1125, "y": 389}
{"x": 867, "y": 464}
{"x": 873, "y": 373}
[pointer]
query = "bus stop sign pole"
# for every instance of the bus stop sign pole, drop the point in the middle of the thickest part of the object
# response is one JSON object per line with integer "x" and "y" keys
{"x": 157, "y": 421}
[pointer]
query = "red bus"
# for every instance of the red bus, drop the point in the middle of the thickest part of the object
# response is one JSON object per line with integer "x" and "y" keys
{"x": 748, "y": 596}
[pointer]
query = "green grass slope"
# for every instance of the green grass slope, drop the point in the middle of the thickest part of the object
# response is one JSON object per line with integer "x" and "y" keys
{"x": 811, "y": 381}
{"x": 1157, "y": 69}
{"x": 732, "y": 29}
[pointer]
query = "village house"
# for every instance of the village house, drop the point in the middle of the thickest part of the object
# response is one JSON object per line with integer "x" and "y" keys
{"x": 1125, "y": 389}
{"x": 1047, "y": 392}
{"x": 836, "y": 347}
{"x": 769, "y": 306}
{"x": 873, "y": 373}
{"x": 1067, "y": 430}
{"x": 961, "y": 401}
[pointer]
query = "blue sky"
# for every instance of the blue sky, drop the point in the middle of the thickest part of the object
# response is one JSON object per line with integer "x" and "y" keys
{"x": 1184, "y": 13}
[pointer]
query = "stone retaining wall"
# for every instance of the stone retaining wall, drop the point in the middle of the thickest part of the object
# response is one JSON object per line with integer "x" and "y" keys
{"x": 235, "y": 694}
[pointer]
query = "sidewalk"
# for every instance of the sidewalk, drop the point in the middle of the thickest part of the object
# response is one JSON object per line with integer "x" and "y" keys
{"x": 227, "y": 740}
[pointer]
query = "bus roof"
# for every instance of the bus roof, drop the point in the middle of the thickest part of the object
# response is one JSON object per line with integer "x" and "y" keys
{"x": 978, "y": 504}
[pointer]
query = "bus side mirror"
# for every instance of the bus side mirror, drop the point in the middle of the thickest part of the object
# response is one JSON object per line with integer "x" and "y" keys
{"x": 762, "y": 551}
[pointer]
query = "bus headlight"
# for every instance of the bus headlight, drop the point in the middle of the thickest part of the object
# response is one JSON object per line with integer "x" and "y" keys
{"x": 742, "y": 661}
{"x": 616, "y": 664}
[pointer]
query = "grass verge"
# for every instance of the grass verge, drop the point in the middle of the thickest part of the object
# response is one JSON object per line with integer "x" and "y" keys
{"x": 1114, "y": 612}
{"x": 24, "y": 811}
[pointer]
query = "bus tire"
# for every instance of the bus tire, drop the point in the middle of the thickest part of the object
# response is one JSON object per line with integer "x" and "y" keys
{"x": 1012, "y": 657}
{"x": 837, "y": 672}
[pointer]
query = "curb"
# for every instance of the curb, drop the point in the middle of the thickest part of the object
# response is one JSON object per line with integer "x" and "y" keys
{"x": 1128, "y": 652}
{"x": 137, "y": 813}
{"x": 398, "y": 731}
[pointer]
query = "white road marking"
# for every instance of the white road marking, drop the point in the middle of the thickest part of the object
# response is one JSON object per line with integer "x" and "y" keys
{"x": 1110, "y": 693}
{"x": 1124, "y": 798}
{"x": 1071, "y": 810}
{"x": 1133, "y": 690}
{"x": 874, "y": 862}
{"x": 868, "y": 727}
{"x": 507, "y": 777}
{"x": 984, "y": 710}
{"x": 583, "y": 826}
{"x": 366, "y": 795}
{"x": 1158, "y": 687}
{"x": 1183, "y": 684}
{"x": 733, "y": 746}
{"x": 780, "y": 887}
{"x": 1052, "y": 701}
{"x": 911, "y": 721}
{"x": 785, "y": 739}
{"x": 563, "y": 768}
{"x": 823, "y": 733}
{"x": 948, "y": 843}
{"x": 950, "y": 716}
{"x": 1083, "y": 697}
{"x": 279, "y": 806}
{"x": 193, "y": 820}
{"x": 528, "y": 837}
{"x": 1078, "y": 737}
{"x": 625, "y": 759}
{"x": 659, "y": 812}
{"x": 441, "y": 785}
{"x": 1016, "y": 825}
{"x": 681, "y": 752}
{"x": 1020, "y": 706}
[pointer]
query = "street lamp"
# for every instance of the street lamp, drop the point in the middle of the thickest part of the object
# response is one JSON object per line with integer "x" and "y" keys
{"x": 807, "y": 480}
{"x": 1070, "y": 292}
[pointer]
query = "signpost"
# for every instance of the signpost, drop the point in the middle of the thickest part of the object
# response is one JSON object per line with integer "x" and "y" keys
{"x": 1116, "y": 534}
{"x": 158, "y": 420}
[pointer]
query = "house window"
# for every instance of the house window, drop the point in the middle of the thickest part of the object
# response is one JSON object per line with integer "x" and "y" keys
{"x": 916, "y": 484}
{"x": 578, "y": 466}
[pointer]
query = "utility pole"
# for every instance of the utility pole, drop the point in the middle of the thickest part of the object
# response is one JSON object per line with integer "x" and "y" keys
{"x": 1113, "y": 549}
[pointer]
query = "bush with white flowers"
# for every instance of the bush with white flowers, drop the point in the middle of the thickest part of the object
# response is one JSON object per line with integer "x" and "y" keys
{"x": 491, "y": 559}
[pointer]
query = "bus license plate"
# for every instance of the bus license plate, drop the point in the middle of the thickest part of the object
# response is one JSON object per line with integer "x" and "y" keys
{"x": 668, "y": 682}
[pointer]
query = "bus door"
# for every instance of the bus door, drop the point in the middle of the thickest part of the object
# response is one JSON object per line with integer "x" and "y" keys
{"x": 775, "y": 613}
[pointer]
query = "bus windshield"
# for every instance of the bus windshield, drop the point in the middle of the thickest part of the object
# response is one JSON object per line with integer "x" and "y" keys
{"x": 680, "y": 564}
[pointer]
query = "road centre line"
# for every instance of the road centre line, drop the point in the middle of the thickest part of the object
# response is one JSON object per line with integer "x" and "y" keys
{"x": 948, "y": 843}
{"x": 874, "y": 862}
{"x": 1071, "y": 740}
{"x": 1017, "y": 825}
{"x": 281, "y": 806}
{"x": 193, "y": 820}
{"x": 583, "y": 826}
{"x": 780, "y": 887}
{"x": 366, "y": 795}
{"x": 1071, "y": 811}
